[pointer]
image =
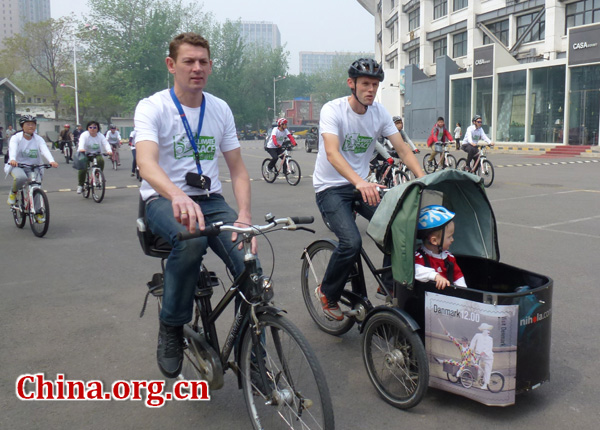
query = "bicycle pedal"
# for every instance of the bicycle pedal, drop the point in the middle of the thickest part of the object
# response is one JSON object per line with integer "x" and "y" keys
{"x": 155, "y": 286}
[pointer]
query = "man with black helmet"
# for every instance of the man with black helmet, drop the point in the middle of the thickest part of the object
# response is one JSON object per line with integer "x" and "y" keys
{"x": 472, "y": 137}
{"x": 349, "y": 128}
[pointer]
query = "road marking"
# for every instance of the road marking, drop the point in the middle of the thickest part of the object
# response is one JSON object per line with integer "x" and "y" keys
{"x": 572, "y": 233}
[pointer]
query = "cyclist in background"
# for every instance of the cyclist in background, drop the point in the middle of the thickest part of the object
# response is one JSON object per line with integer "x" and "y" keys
{"x": 472, "y": 137}
{"x": 114, "y": 138}
{"x": 66, "y": 138}
{"x": 132, "y": 144}
{"x": 26, "y": 147}
{"x": 278, "y": 134}
{"x": 92, "y": 142}
{"x": 439, "y": 134}
{"x": 76, "y": 134}
{"x": 349, "y": 128}
{"x": 400, "y": 126}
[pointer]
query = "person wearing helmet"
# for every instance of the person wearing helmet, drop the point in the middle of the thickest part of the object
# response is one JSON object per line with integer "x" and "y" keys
{"x": 349, "y": 127}
{"x": 92, "y": 142}
{"x": 433, "y": 261}
{"x": 273, "y": 146}
{"x": 472, "y": 137}
{"x": 66, "y": 139}
{"x": 25, "y": 147}
{"x": 77, "y": 133}
{"x": 400, "y": 127}
{"x": 114, "y": 138}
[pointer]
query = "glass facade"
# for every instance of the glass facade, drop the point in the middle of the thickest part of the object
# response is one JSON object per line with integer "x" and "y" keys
{"x": 547, "y": 104}
{"x": 461, "y": 104}
{"x": 584, "y": 105}
{"x": 483, "y": 89}
{"x": 512, "y": 95}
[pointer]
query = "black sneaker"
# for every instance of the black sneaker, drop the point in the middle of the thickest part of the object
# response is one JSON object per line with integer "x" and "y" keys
{"x": 169, "y": 353}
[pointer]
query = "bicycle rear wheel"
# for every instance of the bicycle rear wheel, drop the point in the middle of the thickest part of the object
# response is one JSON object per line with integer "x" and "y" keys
{"x": 40, "y": 219}
{"x": 291, "y": 391}
{"x": 486, "y": 171}
{"x": 461, "y": 164}
{"x": 496, "y": 383}
{"x": 18, "y": 210}
{"x": 293, "y": 174}
{"x": 396, "y": 361}
{"x": 87, "y": 186}
{"x": 450, "y": 161}
{"x": 430, "y": 168}
{"x": 268, "y": 175}
{"x": 98, "y": 185}
{"x": 314, "y": 264}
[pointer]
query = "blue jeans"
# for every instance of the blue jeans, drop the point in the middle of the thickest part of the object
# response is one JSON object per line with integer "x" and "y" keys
{"x": 183, "y": 265}
{"x": 337, "y": 206}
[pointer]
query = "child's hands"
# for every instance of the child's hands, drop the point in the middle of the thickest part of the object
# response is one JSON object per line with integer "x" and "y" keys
{"x": 441, "y": 282}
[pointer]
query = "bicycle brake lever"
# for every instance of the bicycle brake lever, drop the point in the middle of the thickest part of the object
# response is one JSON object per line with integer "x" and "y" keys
{"x": 310, "y": 230}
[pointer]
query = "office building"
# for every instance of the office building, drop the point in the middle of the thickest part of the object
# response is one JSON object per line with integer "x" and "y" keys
{"x": 14, "y": 14}
{"x": 530, "y": 68}
{"x": 261, "y": 33}
{"x": 313, "y": 62}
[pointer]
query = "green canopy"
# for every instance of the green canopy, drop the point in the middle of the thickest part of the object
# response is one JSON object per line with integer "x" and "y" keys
{"x": 394, "y": 224}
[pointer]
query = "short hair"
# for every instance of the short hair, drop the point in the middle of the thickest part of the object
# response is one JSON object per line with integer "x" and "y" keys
{"x": 441, "y": 118}
{"x": 458, "y": 123}
{"x": 193, "y": 39}
{"x": 96, "y": 123}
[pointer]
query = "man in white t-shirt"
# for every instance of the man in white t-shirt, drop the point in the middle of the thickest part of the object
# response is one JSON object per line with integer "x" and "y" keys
{"x": 276, "y": 138}
{"x": 175, "y": 203}
{"x": 472, "y": 137}
{"x": 349, "y": 128}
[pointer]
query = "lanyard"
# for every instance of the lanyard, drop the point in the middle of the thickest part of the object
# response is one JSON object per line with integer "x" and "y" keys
{"x": 187, "y": 127}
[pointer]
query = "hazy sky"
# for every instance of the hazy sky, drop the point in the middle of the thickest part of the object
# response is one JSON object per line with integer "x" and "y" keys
{"x": 305, "y": 25}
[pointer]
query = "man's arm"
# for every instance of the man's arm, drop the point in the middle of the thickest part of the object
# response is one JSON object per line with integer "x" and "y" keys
{"x": 406, "y": 154}
{"x": 368, "y": 190}
{"x": 185, "y": 210}
{"x": 240, "y": 182}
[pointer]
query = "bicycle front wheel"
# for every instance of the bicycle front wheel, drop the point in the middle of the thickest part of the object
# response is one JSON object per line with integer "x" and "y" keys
{"x": 283, "y": 383}
{"x": 98, "y": 185}
{"x": 267, "y": 174}
{"x": 496, "y": 383}
{"x": 400, "y": 178}
{"x": 87, "y": 186}
{"x": 450, "y": 161}
{"x": 293, "y": 174}
{"x": 430, "y": 167}
{"x": 467, "y": 378}
{"x": 461, "y": 164}
{"x": 314, "y": 264}
{"x": 39, "y": 220}
{"x": 18, "y": 210}
{"x": 396, "y": 361}
{"x": 486, "y": 171}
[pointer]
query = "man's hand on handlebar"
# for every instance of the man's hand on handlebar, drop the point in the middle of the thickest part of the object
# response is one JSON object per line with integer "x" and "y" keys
{"x": 243, "y": 222}
{"x": 370, "y": 192}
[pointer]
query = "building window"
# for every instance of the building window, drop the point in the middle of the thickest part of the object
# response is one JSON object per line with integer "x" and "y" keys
{"x": 393, "y": 33}
{"x": 582, "y": 12}
{"x": 460, "y": 4}
{"x": 459, "y": 45}
{"x": 392, "y": 4}
{"x": 547, "y": 104}
{"x": 440, "y": 8}
{"x": 500, "y": 30}
{"x": 391, "y": 64}
{"x": 413, "y": 56}
{"x": 512, "y": 97}
{"x": 414, "y": 19}
{"x": 538, "y": 31}
{"x": 440, "y": 48}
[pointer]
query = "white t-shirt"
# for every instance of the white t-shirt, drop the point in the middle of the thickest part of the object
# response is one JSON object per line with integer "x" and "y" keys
{"x": 113, "y": 138}
{"x": 157, "y": 120}
{"x": 473, "y": 135}
{"x": 357, "y": 135}
{"x": 93, "y": 145}
{"x": 279, "y": 135}
{"x": 28, "y": 151}
{"x": 132, "y": 138}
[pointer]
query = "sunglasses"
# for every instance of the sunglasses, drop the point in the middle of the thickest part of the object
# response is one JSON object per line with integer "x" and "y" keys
{"x": 479, "y": 122}
{"x": 93, "y": 127}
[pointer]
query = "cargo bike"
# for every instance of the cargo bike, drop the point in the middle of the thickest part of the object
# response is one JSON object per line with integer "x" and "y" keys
{"x": 410, "y": 342}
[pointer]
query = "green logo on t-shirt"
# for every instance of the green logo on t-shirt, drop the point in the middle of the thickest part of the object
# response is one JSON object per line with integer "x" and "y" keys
{"x": 30, "y": 153}
{"x": 206, "y": 148}
{"x": 356, "y": 143}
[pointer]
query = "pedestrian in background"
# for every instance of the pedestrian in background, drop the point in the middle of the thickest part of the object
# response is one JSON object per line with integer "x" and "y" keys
{"x": 457, "y": 134}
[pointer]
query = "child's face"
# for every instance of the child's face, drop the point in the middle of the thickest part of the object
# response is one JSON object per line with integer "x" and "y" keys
{"x": 448, "y": 236}
{"x": 399, "y": 125}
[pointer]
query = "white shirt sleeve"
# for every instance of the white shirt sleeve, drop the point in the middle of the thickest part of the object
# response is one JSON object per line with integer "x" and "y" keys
{"x": 44, "y": 149}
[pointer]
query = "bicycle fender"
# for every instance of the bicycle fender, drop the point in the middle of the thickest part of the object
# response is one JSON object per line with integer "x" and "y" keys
{"x": 317, "y": 243}
{"x": 400, "y": 313}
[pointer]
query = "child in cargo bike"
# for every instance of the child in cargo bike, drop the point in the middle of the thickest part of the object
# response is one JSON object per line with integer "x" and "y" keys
{"x": 467, "y": 356}
{"x": 433, "y": 261}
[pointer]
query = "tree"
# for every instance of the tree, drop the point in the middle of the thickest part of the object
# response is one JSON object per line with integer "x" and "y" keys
{"x": 44, "y": 47}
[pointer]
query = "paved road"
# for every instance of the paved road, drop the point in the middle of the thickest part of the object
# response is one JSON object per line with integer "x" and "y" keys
{"x": 71, "y": 301}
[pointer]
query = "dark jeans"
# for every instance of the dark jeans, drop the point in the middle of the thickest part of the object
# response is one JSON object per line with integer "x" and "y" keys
{"x": 337, "y": 206}
{"x": 133, "y": 165}
{"x": 274, "y": 153}
{"x": 471, "y": 150}
{"x": 183, "y": 265}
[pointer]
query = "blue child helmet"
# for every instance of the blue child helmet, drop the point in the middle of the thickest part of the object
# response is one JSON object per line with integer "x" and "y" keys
{"x": 434, "y": 217}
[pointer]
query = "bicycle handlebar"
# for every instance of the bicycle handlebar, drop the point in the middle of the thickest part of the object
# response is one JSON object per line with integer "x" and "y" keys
{"x": 289, "y": 223}
{"x": 33, "y": 166}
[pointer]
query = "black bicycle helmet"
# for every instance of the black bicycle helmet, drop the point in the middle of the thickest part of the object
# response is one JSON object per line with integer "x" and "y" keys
{"x": 475, "y": 118}
{"x": 27, "y": 118}
{"x": 396, "y": 119}
{"x": 366, "y": 67}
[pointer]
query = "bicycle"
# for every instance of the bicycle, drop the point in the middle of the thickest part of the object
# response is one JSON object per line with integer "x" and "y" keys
{"x": 392, "y": 350}
{"x": 95, "y": 182}
{"x": 390, "y": 172}
{"x": 115, "y": 157}
{"x": 473, "y": 375}
{"x": 67, "y": 150}
{"x": 289, "y": 167}
{"x": 482, "y": 167}
{"x": 442, "y": 160}
{"x": 280, "y": 377}
{"x": 32, "y": 202}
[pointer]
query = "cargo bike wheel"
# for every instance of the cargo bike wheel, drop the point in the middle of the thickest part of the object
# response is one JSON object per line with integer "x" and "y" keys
{"x": 396, "y": 360}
